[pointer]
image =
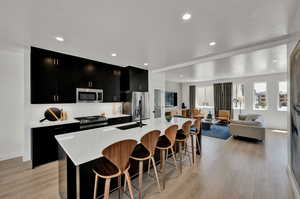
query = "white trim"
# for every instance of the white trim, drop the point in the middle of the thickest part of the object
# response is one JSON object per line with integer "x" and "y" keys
{"x": 293, "y": 182}
{"x": 11, "y": 155}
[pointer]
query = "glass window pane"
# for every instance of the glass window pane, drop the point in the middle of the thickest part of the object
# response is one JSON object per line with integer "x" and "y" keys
{"x": 282, "y": 96}
{"x": 205, "y": 97}
{"x": 260, "y": 96}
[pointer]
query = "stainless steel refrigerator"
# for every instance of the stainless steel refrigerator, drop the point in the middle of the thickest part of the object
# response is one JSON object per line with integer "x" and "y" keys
{"x": 131, "y": 106}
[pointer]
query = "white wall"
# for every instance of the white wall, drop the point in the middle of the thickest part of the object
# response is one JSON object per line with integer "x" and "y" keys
{"x": 12, "y": 103}
{"x": 273, "y": 118}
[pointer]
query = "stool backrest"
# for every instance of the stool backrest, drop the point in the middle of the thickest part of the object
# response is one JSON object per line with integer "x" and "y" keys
{"x": 197, "y": 125}
{"x": 150, "y": 140}
{"x": 171, "y": 132}
{"x": 186, "y": 127}
{"x": 119, "y": 153}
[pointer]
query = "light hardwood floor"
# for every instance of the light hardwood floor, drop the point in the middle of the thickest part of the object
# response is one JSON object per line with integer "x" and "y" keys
{"x": 228, "y": 169}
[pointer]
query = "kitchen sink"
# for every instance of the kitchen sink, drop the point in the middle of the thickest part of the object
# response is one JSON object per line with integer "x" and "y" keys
{"x": 130, "y": 126}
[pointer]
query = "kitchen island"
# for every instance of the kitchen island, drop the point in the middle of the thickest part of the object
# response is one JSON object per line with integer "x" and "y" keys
{"x": 79, "y": 151}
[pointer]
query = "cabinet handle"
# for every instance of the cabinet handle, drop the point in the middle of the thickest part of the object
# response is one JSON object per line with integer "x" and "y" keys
{"x": 57, "y": 97}
{"x": 54, "y": 98}
{"x": 91, "y": 84}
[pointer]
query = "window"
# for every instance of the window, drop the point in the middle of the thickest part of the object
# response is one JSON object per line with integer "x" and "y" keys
{"x": 282, "y": 96}
{"x": 260, "y": 96}
{"x": 238, "y": 96}
{"x": 205, "y": 97}
{"x": 170, "y": 99}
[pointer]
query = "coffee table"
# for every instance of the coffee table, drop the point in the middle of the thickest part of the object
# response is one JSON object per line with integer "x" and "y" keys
{"x": 206, "y": 124}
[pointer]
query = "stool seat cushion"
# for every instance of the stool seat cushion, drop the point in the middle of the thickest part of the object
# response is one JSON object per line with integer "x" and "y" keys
{"x": 180, "y": 137}
{"x": 104, "y": 167}
{"x": 163, "y": 142}
{"x": 140, "y": 152}
{"x": 193, "y": 128}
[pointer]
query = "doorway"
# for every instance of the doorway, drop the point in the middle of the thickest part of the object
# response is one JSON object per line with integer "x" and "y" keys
{"x": 157, "y": 103}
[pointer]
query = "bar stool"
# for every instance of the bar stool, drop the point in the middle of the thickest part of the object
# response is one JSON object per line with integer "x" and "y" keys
{"x": 164, "y": 143}
{"x": 145, "y": 151}
{"x": 114, "y": 163}
{"x": 195, "y": 131}
{"x": 182, "y": 137}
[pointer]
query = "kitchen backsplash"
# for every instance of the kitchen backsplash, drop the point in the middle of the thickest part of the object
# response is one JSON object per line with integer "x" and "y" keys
{"x": 76, "y": 110}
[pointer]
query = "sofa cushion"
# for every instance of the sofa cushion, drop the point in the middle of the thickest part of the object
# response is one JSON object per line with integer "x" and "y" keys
{"x": 252, "y": 117}
{"x": 242, "y": 117}
{"x": 247, "y": 123}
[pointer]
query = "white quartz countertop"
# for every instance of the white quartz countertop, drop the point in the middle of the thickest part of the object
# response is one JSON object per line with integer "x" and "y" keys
{"x": 84, "y": 146}
{"x": 46, "y": 123}
{"x": 37, "y": 124}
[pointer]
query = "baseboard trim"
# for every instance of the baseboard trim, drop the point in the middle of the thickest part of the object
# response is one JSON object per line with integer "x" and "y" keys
{"x": 27, "y": 164}
{"x": 293, "y": 182}
{"x": 18, "y": 161}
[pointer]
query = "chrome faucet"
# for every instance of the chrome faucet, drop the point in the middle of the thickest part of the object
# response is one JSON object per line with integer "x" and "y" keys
{"x": 140, "y": 111}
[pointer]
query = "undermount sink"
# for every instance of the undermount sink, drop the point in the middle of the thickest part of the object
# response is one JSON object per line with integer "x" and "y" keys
{"x": 130, "y": 126}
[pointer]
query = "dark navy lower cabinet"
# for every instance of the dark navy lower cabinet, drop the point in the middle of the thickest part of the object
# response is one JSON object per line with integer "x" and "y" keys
{"x": 44, "y": 145}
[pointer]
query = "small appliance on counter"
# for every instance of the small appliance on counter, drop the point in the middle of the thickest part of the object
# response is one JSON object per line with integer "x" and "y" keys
{"x": 54, "y": 114}
{"x": 92, "y": 121}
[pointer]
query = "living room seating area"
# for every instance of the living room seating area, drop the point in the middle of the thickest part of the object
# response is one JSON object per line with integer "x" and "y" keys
{"x": 250, "y": 126}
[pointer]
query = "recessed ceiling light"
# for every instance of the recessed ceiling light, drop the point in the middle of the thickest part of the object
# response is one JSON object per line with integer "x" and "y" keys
{"x": 60, "y": 39}
{"x": 275, "y": 60}
{"x": 146, "y": 64}
{"x": 213, "y": 43}
{"x": 186, "y": 16}
{"x": 181, "y": 76}
{"x": 113, "y": 54}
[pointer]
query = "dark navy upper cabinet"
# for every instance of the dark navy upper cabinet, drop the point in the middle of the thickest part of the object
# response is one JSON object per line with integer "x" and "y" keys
{"x": 134, "y": 79}
{"x": 51, "y": 78}
{"x": 55, "y": 77}
{"x": 111, "y": 84}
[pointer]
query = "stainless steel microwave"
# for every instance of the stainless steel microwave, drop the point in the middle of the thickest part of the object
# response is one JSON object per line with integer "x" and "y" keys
{"x": 87, "y": 95}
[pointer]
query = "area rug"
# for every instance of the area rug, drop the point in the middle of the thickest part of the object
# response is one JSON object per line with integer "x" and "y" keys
{"x": 217, "y": 131}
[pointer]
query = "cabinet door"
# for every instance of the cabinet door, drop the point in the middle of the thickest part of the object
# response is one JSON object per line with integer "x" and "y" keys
{"x": 67, "y": 80}
{"x": 44, "y": 79}
{"x": 86, "y": 73}
{"x": 138, "y": 79}
{"x": 44, "y": 146}
{"x": 111, "y": 89}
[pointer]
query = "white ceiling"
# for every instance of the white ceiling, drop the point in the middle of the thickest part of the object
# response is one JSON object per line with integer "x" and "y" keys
{"x": 260, "y": 62}
{"x": 143, "y": 31}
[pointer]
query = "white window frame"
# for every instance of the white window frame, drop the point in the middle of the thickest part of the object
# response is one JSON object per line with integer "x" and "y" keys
{"x": 233, "y": 94}
{"x": 278, "y": 98}
{"x": 254, "y": 97}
